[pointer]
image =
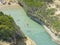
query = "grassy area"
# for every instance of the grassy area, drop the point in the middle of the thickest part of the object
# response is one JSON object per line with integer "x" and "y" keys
{"x": 34, "y": 3}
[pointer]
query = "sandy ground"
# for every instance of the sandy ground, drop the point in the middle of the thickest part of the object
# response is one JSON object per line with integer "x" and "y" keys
{"x": 4, "y": 43}
{"x": 30, "y": 42}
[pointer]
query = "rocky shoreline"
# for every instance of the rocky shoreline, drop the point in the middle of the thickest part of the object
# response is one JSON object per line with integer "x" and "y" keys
{"x": 27, "y": 42}
{"x": 53, "y": 36}
{"x": 30, "y": 42}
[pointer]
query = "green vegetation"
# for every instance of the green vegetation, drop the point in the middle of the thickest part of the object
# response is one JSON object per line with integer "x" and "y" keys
{"x": 36, "y": 3}
{"x": 8, "y": 29}
{"x": 55, "y": 23}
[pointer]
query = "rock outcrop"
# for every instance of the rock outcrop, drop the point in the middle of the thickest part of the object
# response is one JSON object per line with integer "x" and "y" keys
{"x": 9, "y": 2}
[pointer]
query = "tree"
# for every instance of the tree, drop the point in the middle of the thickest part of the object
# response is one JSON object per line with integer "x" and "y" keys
{"x": 8, "y": 29}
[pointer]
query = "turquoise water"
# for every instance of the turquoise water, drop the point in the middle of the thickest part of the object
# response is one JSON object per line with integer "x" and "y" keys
{"x": 35, "y": 31}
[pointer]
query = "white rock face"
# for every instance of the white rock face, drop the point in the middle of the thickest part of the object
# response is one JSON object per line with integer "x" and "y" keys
{"x": 55, "y": 5}
{"x": 30, "y": 42}
{"x": 57, "y": 2}
{"x": 8, "y": 1}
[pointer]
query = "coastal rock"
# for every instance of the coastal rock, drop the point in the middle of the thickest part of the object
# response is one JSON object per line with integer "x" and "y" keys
{"x": 27, "y": 42}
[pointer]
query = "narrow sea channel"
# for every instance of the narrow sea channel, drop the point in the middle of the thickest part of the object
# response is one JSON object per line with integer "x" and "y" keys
{"x": 32, "y": 29}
